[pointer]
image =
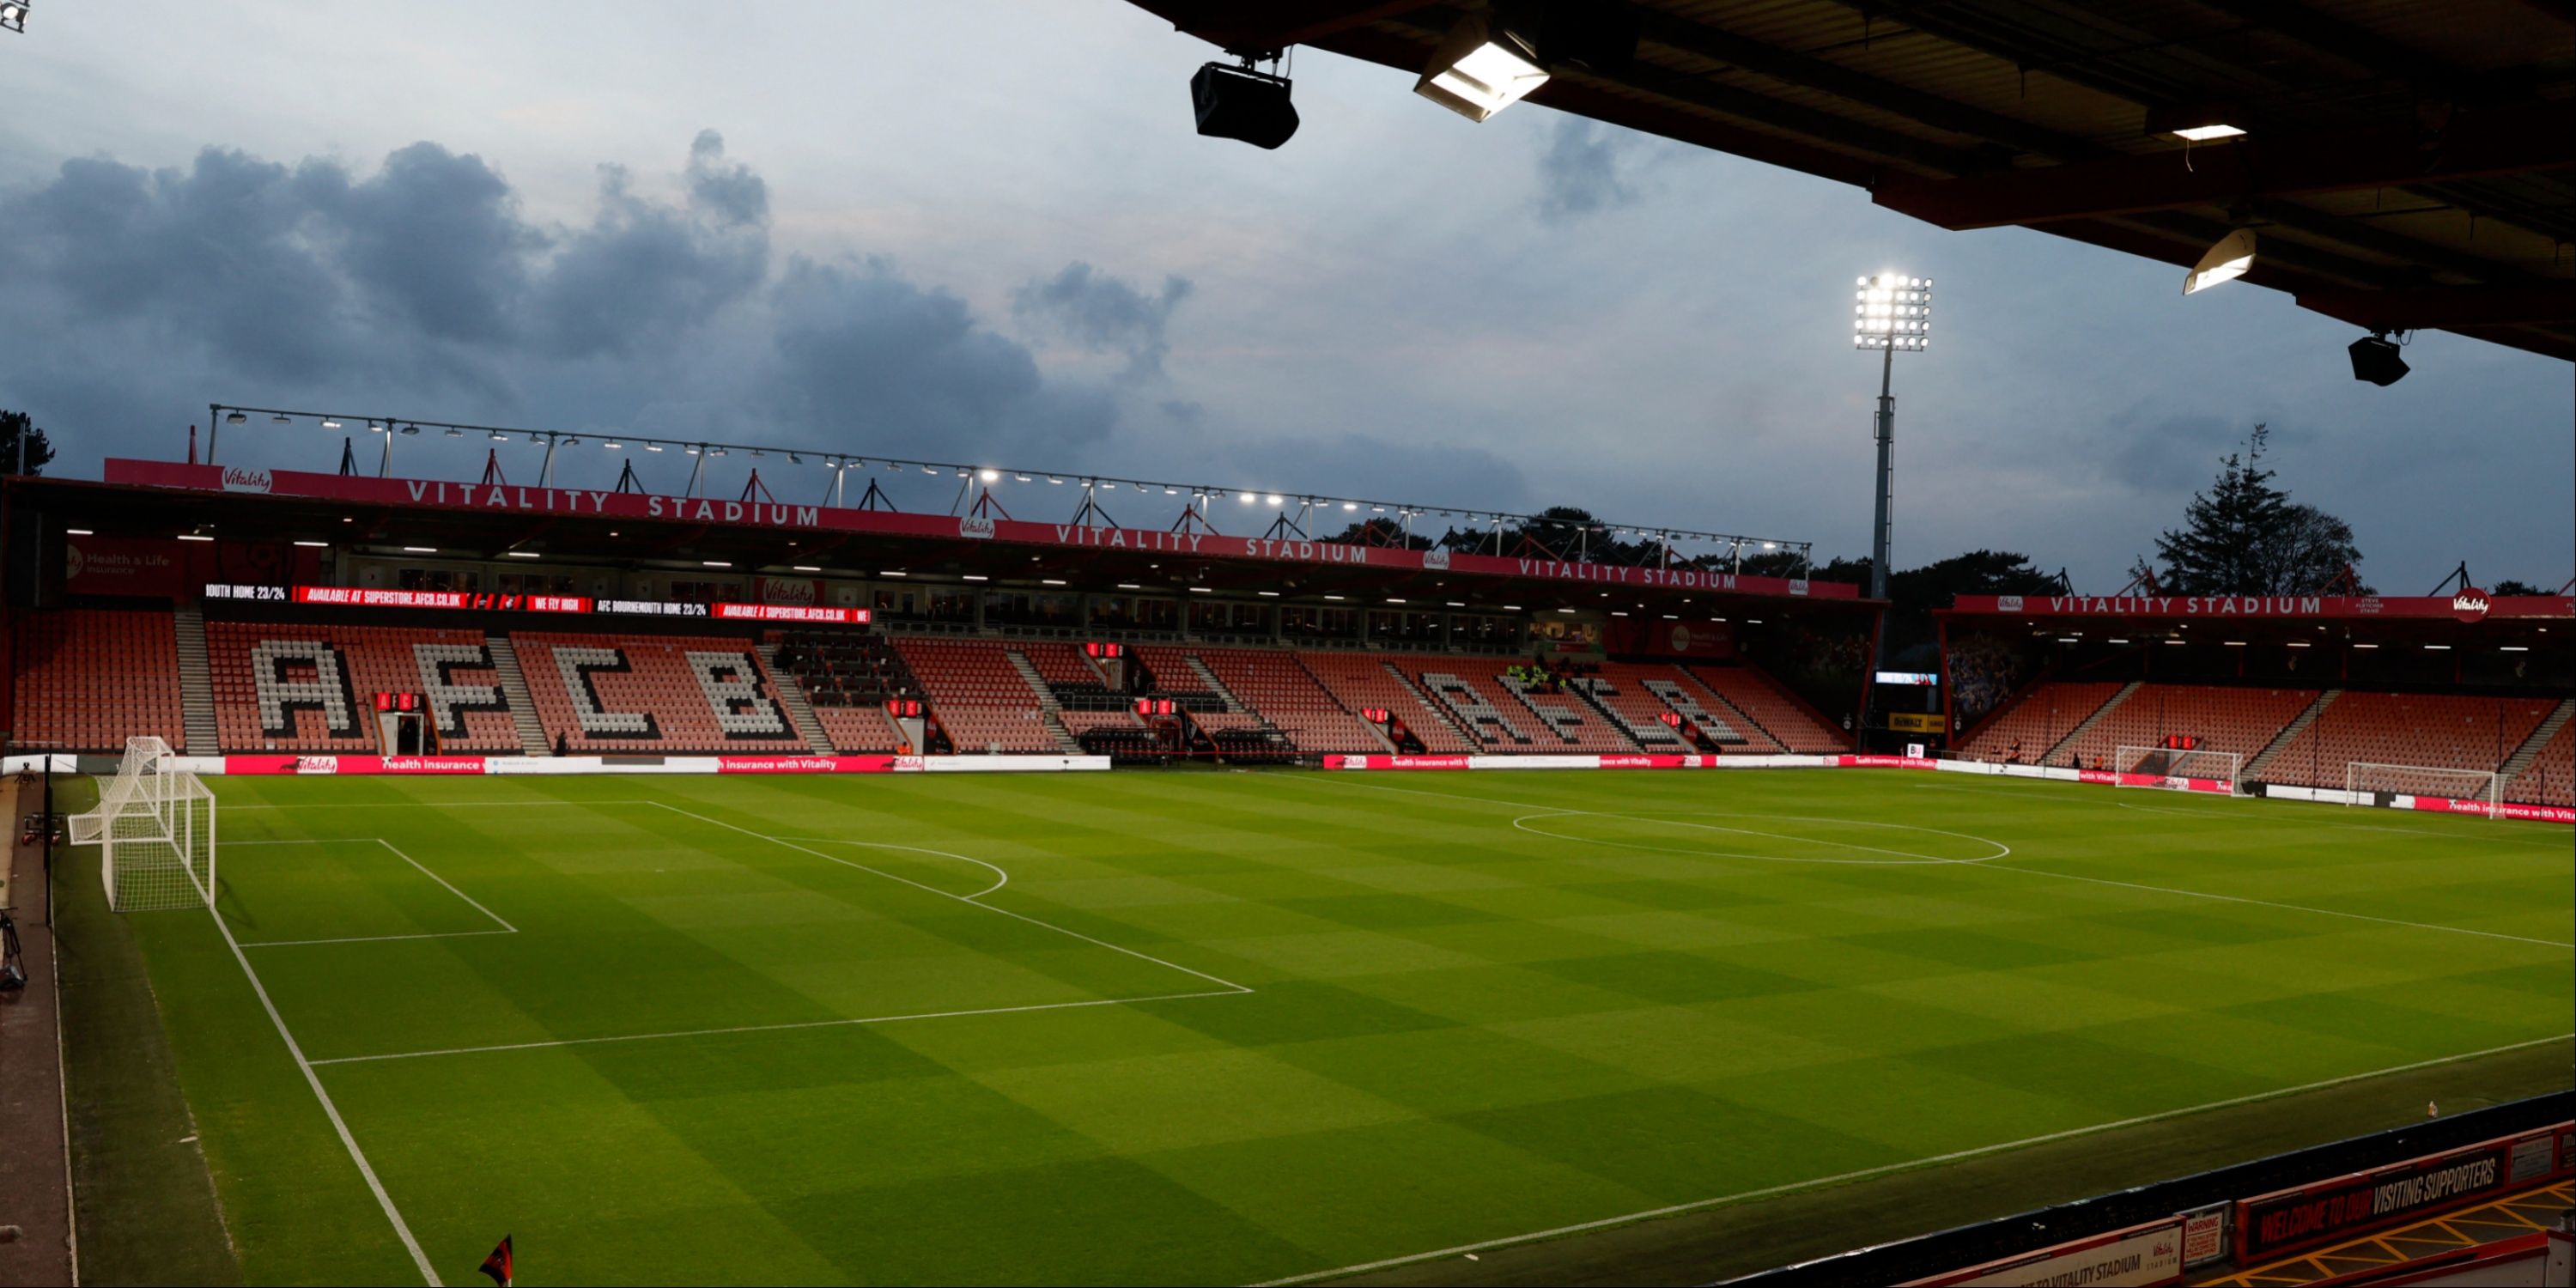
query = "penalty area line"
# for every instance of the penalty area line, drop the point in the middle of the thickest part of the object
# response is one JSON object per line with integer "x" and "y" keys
{"x": 1890, "y": 1169}
{"x": 2291, "y": 907}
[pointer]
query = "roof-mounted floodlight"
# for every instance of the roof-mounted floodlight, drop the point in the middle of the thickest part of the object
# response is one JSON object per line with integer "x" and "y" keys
{"x": 1480, "y": 68}
{"x": 2225, "y": 262}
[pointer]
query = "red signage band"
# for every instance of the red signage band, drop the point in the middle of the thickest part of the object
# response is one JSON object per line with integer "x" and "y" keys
{"x": 792, "y": 613}
{"x": 587, "y": 503}
{"x": 2467, "y": 606}
{"x": 361, "y": 597}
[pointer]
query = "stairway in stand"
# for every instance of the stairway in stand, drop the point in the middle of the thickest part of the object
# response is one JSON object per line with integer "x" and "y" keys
{"x": 792, "y": 700}
{"x": 1047, "y": 704}
{"x": 196, "y": 681}
{"x": 514, "y": 690}
{"x": 2086, "y": 724}
{"x": 2529, "y": 751}
{"x": 2253, "y": 770}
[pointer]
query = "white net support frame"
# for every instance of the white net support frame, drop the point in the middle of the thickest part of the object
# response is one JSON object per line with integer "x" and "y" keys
{"x": 2365, "y": 782}
{"x": 2174, "y": 768}
{"x": 155, "y": 829}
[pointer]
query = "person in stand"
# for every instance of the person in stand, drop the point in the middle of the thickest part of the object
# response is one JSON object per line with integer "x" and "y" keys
{"x": 2013, "y": 757}
{"x": 563, "y": 746}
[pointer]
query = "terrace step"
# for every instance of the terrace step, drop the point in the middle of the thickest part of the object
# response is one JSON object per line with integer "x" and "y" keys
{"x": 196, "y": 681}
{"x": 2289, "y": 733}
{"x": 1046, "y": 692}
{"x": 792, "y": 700}
{"x": 1214, "y": 685}
{"x": 2086, "y": 724}
{"x": 2529, "y": 751}
{"x": 514, "y": 690}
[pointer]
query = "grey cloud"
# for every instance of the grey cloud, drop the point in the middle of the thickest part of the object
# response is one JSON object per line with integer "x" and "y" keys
{"x": 433, "y": 238}
{"x": 644, "y": 271}
{"x": 1587, "y": 167}
{"x": 863, "y": 351}
{"x": 730, "y": 191}
{"x": 1104, "y": 314}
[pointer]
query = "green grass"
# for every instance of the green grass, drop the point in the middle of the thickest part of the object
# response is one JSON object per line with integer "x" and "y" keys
{"x": 1247, "y": 1026}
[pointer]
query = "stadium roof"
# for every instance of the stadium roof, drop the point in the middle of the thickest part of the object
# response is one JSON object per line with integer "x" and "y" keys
{"x": 2406, "y": 163}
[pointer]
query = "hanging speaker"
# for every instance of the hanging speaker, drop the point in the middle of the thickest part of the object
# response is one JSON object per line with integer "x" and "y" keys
{"x": 1240, "y": 103}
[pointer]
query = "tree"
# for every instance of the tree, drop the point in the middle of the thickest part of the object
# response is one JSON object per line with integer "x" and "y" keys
{"x": 17, "y": 426}
{"x": 2244, "y": 536}
{"x": 2511, "y": 587}
{"x": 1377, "y": 531}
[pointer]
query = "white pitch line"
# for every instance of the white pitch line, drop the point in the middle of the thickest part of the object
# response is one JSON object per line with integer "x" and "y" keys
{"x": 774, "y": 1028}
{"x": 230, "y": 808}
{"x": 831, "y": 858}
{"x": 916, "y": 849}
{"x": 329, "y": 1110}
{"x": 469, "y": 899}
{"x": 1886, "y": 1169}
{"x": 2293, "y": 907}
{"x": 375, "y": 939}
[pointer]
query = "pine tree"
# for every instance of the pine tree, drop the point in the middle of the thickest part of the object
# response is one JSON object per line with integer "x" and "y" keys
{"x": 16, "y": 426}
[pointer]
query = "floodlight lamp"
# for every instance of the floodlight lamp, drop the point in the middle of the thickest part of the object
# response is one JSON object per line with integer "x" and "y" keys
{"x": 991, "y": 476}
{"x": 235, "y": 419}
{"x": 374, "y": 428}
{"x": 281, "y": 418}
{"x": 13, "y": 16}
{"x": 1240, "y": 103}
{"x": 411, "y": 431}
{"x": 328, "y": 423}
{"x": 1276, "y": 499}
{"x": 652, "y": 447}
{"x": 794, "y": 459}
{"x": 2204, "y": 133}
{"x": 613, "y": 445}
{"x": 715, "y": 451}
{"x": 1479, "y": 69}
{"x": 454, "y": 432}
{"x": 2225, "y": 262}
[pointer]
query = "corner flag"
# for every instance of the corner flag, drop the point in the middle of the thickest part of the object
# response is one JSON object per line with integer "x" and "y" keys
{"x": 498, "y": 1264}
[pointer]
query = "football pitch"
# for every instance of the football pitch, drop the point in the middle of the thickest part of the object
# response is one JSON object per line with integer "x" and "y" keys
{"x": 1194, "y": 1027}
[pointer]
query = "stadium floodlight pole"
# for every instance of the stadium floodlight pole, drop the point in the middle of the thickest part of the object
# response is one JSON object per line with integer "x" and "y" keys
{"x": 545, "y": 468}
{"x": 1891, "y": 312}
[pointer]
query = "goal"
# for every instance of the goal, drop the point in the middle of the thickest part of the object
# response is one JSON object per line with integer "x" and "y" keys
{"x": 155, "y": 829}
{"x": 2174, "y": 769}
{"x": 2366, "y": 783}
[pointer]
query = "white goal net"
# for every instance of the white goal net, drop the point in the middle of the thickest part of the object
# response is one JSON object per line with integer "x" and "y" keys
{"x": 2365, "y": 783}
{"x": 155, "y": 829}
{"x": 2176, "y": 769}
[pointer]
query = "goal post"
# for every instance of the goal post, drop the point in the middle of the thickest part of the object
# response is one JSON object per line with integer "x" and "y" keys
{"x": 2370, "y": 783}
{"x": 2177, "y": 768}
{"x": 155, "y": 829}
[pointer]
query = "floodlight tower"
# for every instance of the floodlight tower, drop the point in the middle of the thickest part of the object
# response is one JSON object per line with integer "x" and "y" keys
{"x": 1891, "y": 313}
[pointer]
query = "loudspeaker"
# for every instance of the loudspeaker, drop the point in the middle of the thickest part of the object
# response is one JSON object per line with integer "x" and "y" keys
{"x": 2374, "y": 358}
{"x": 1240, "y": 103}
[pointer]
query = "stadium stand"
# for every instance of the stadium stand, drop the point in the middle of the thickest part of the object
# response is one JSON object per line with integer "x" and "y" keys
{"x": 2441, "y": 730}
{"x": 87, "y": 678}
{"x": 1468, "y": 704}
{"x": 302, "y": 687}
{"x": 978, "y": 697}
{"x": 1275, "y": 685}
{"x": 1619, "y": 692}
{"x": 2241, "y": 721}
{"x": 1700, "y": 704}
{"x": 653, "y": 693}
{"x": 1787, "y": 720}
{"x": 1362, "y": 680}
{"x": 1576, "y": 727}
{"x": 2040, "y": 718}
{"x": 2550, "y": 779}
{"x": 1079, "y": 723}
{"x": 1064, "y": 668}
{"x": 847, "y": 678}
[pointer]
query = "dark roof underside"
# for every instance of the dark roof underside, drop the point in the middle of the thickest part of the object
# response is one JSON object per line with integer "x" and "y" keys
{"x": 2411, "y": 164}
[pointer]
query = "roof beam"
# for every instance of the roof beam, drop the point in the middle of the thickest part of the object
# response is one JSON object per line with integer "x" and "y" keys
{"x": 2473, "y": 145}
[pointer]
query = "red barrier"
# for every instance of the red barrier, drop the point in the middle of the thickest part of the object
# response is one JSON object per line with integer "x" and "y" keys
{"x": 2285, "y": 1220}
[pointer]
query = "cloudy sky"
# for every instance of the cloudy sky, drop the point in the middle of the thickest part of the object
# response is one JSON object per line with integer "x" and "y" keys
{"x": 985, "y": 231}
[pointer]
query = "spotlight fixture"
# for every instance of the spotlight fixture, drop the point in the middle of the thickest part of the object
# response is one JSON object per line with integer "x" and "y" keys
{"x": 411, "y": 431}
{"x": 13, "y": 15}
{"x": 1240, "y": 103}
{"x": 374, "y": 428}
{"x": 1480, "y": 69}
{"x": 454, "y": 432}
{"x": 2225, "y": 262}
{"x": 499, "y": 437}
{"x": 281, "y": 418}
{"x": 328, "y": 423}
{"x": 652, "y": 447}
{"x": 235, "y": 418}
{"x": 1893, "y": 312}
{"x": 991, "y": 476}
{"x": 2374, "y": 358}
